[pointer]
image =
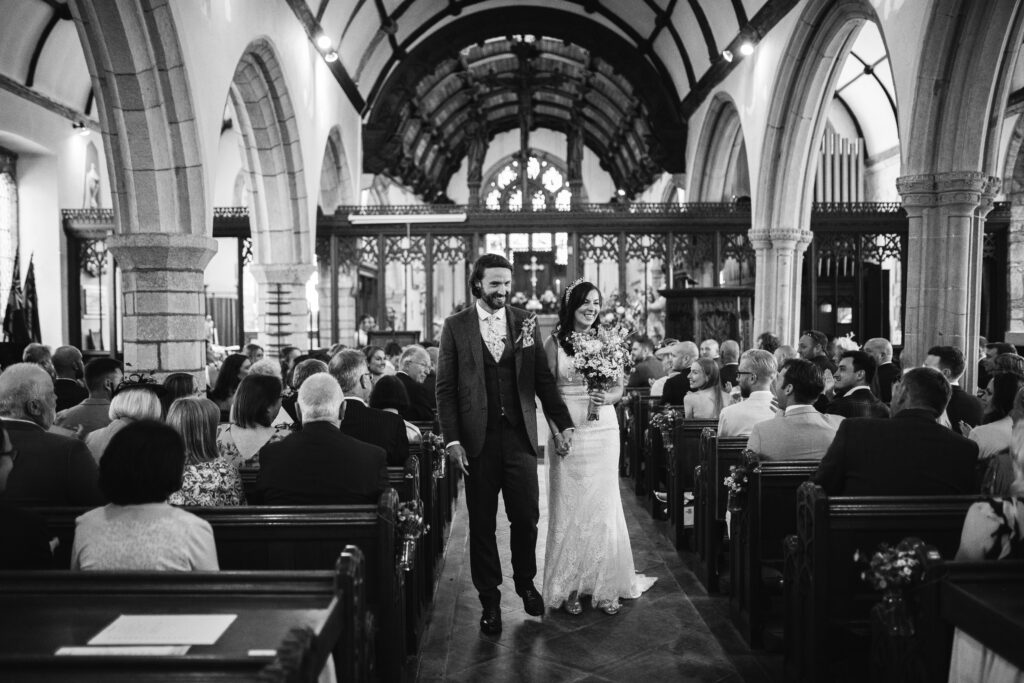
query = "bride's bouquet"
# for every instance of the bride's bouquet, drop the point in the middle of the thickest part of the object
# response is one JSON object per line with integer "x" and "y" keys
{"x": 602, "y": 358}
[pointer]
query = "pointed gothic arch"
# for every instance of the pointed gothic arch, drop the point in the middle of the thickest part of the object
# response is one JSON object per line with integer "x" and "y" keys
{"x": 720, "y": 171}
{"x": 335, "y": 177}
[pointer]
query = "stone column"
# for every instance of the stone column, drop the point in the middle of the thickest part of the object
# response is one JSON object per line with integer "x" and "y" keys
{"x": 777, "y": 281}
{"x": 292, "y": 278}
{"x": 163, "y": 314}
{"x": 1015, "y": 237}
{"x": 945, "y": 213}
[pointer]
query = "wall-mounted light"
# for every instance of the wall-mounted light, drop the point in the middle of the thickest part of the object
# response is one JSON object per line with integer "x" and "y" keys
{"x": 620, "y": 192}
{"x": 331, "y": 56}
{"x": 323, "y": 42}
{"x": 746, "y": 48}
{"x": 727, "y": 55}
{"x": 80, "y": 128}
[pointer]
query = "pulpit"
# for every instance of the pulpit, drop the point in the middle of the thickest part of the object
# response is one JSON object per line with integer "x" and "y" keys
{"x": 719, "y": 313}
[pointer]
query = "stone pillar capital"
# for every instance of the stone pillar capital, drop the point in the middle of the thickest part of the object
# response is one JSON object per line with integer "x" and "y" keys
{"x": 282, "y": 273}
{"x": 162, "y": 251}
{"x": 760, "y": 239}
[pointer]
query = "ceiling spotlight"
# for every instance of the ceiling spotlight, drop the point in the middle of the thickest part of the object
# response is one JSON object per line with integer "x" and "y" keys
{"x": 80, "y": 128}
{"x": 727, "y": 55}
{"x": 331, "y": 56}
{"x": 746, "y": 48}
{"x": 620, "y": 192}
{"x": 323, "y": 42}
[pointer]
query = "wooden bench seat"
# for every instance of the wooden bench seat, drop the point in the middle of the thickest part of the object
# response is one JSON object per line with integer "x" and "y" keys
{"x": 682, "y": 465}
{"x": 287, "y": 623}
{"x": 716, "y": 456}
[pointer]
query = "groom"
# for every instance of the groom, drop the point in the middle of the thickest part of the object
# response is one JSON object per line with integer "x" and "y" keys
{"x": 490, "y": 371}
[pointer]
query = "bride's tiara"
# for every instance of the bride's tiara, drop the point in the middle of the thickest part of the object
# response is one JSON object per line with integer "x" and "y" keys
{"x": 568, "y": 290}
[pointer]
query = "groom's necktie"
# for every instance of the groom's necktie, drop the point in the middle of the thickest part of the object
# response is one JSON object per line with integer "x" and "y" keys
{"x": 494, "y": 336}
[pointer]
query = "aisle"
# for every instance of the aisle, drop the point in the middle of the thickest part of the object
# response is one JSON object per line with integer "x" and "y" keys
{"x": 675, "y": 631}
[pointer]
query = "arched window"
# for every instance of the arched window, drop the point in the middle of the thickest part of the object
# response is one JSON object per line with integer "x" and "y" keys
{"x": 8, "y": 223}
{"x": 547, "y": 186}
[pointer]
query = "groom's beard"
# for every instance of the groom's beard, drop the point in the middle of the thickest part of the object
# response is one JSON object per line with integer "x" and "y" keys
{"x": 494, "y": 300}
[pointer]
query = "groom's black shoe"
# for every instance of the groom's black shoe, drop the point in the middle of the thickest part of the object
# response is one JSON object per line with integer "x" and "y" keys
{"x": 533, "y": 603}
{"x": 490, "y": 622}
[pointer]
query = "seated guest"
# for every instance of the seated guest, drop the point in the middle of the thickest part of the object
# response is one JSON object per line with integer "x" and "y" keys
{"x": 853, "y": 397}
{"x": 303, "y": 369}
{"x": 799, "y": 432}
{"x": 69, "y": 370}
{"x": 647, "y": 368}
{"x": 784, "y": 353}
{"x": 993, "y": 434}
{"x": 768, "y": 342}
{"x": 430, "y": 381}
{"x": 730, "y": 364}
{"x": 132, "y": 401}
{"x": 253, "y": 351}
{"x": 909, "y": 455}
{"x": 24, "y": 539}
{"x": 841, "y": 345}
{"x": 376, "y": 361}
{"x": 683, "y": 355}
{"x": 289, "y": 356}
{"x": 257, "y": 403}
{"x": 949, "y": 360}
{"x": 361, "y": 421}
{"x": 209, "y": 478}
{"x": 709, "y": 349}
{"x": 102, "y": 375}
{"x": 706, "y": 398}
{"x": 138, "y": 529}
{"x": 320, "y": 465}
{"x": 393, "y": 354}
{"x": 266, "y": 366}
{"x": 1007, "y": 363}
{"x": 179, "y": 385}
{"x": 232, "y": 372}
{"x": 886, "y": 372}
{"x": 755, "y": 376}
{"x": 813, "y": 347}
{"x": 48, "y": 469}
{"x": 665, "y": 355}
{"x": 413, "y": 367}
{"x": 40, "y": 355}
{"x": 389, "y": 396}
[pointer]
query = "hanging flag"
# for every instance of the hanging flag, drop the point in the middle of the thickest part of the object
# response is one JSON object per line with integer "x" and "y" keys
{"x": 15, "y": 323}
{"x": 32, "y": 304}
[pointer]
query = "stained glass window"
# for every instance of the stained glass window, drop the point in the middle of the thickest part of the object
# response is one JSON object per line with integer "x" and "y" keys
{"x": 546, "y": 186}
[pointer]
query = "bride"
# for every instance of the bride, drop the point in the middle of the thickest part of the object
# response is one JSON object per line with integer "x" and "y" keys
{"x": 588, "y": 550}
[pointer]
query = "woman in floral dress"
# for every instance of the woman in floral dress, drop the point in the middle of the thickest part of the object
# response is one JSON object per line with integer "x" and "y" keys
{"x": 209, "y": 479}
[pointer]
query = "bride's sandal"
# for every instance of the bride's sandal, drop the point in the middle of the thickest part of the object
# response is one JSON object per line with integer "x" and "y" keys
{"x": 573, "y": 605}
{"x": 610, "y": 607}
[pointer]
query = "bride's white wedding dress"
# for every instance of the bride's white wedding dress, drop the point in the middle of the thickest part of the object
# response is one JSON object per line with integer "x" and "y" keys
{"x": 588, "y": 549}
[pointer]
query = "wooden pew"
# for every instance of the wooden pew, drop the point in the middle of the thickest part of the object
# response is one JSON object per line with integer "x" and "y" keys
{"x": 298, "y": 620}
{"x": 635, "y": 409}
{"x": 710, "y": 501}
{"x": 684, "y": 459}
{"x": 301, "y": 538}
{"x": 755, "y": 545}
{"x": 826, "y": 601}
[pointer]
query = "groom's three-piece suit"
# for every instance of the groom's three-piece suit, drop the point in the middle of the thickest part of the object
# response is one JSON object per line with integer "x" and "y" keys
{"x": 488, "y": 405}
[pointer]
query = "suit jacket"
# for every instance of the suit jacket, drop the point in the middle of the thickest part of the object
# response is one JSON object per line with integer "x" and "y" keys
{"x": 859, "y": 403}
{"x": 69, "y": 393}
{"x": 799, "y": 433}
{"x": 886, "y": 374}
{"x": 24, "y": 540}
{"x": 320, "y": 466}
{"x": 430, "y": 386}
{"x": 377, "y": 427}
{"x": 739, "y": 418}
{"x": 909, "y": 455}
{"x": 676, "y": 389}
{"x": 91, "y": 414}
{"x": 461, "y": 396}
{"x": 646, "y": 370}
{"x": 963, "y": 406}
{"x": 50, "y": 469}
{"x": 420, "y": 408}
{"x": 727, "y": 374}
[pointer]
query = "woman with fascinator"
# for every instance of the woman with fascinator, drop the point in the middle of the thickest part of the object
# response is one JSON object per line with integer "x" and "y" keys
{"x": 588, "y": 549}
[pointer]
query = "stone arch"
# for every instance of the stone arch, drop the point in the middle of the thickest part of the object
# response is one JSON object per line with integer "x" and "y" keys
{"x": 720, "y": 166}
{"x": 278, "y": 213}
{"x": 335, "y": 177}
{"x": 782, "y": 202}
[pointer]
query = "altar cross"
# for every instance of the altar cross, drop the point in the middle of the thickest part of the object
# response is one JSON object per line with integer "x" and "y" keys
{"x": 533, "y": 268}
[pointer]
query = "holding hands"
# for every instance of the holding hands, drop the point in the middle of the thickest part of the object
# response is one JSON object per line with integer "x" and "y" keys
{"x": 563, "y": 441}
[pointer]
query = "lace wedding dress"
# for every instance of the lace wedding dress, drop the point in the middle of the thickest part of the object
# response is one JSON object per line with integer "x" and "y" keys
{"x": 588, "y": 549}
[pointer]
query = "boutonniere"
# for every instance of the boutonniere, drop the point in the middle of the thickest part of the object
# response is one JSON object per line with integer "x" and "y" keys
{"x": 526, "y": 332}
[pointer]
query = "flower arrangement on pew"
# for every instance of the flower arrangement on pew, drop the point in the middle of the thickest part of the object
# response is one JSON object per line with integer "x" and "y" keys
{"x": 736, "y": 483}
{"x": 602, "y": 359}
{"x": 665, "y": 422}
{"x": 433, "y": 444}
{"x": 411, "y": 527}
{"x": 893, "y": 570}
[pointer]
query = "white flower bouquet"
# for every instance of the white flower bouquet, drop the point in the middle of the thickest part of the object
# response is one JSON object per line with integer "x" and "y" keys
{"x": 601, "y": 357}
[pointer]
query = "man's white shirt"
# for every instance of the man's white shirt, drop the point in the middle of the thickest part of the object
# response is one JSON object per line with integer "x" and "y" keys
{"x": 739, "y": 418}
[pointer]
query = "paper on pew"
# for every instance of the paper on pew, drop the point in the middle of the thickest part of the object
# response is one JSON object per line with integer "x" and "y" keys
{"x": 125, "y": 650}
{"x": 164, "y": 629}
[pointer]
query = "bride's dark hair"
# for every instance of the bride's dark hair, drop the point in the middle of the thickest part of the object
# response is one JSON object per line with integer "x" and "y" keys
{"x": 571, "y": 301}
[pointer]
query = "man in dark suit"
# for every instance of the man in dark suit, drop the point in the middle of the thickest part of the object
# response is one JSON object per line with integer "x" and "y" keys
{"x": 730, "y": 364}
{"x": 812, "y": 347}
{"x": 430, "y": 381}
{"x": 413, "y": 366}
{"x": 320, "y": 465}
{"x": 47, "y": 469}
{"x": 69, "y": 369}
{"x": 909, "y": 455}
{"x": 359, "y": 420}
{"x": 676, "y": 388}
{"x": 646, "y": 367}
{"x": 880, "y": 349}
{"x": 853, "y": 397}
{"x": 490, "y": 372}
{"x": 102, "y": 376}
{"x": 949, "y": 360}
